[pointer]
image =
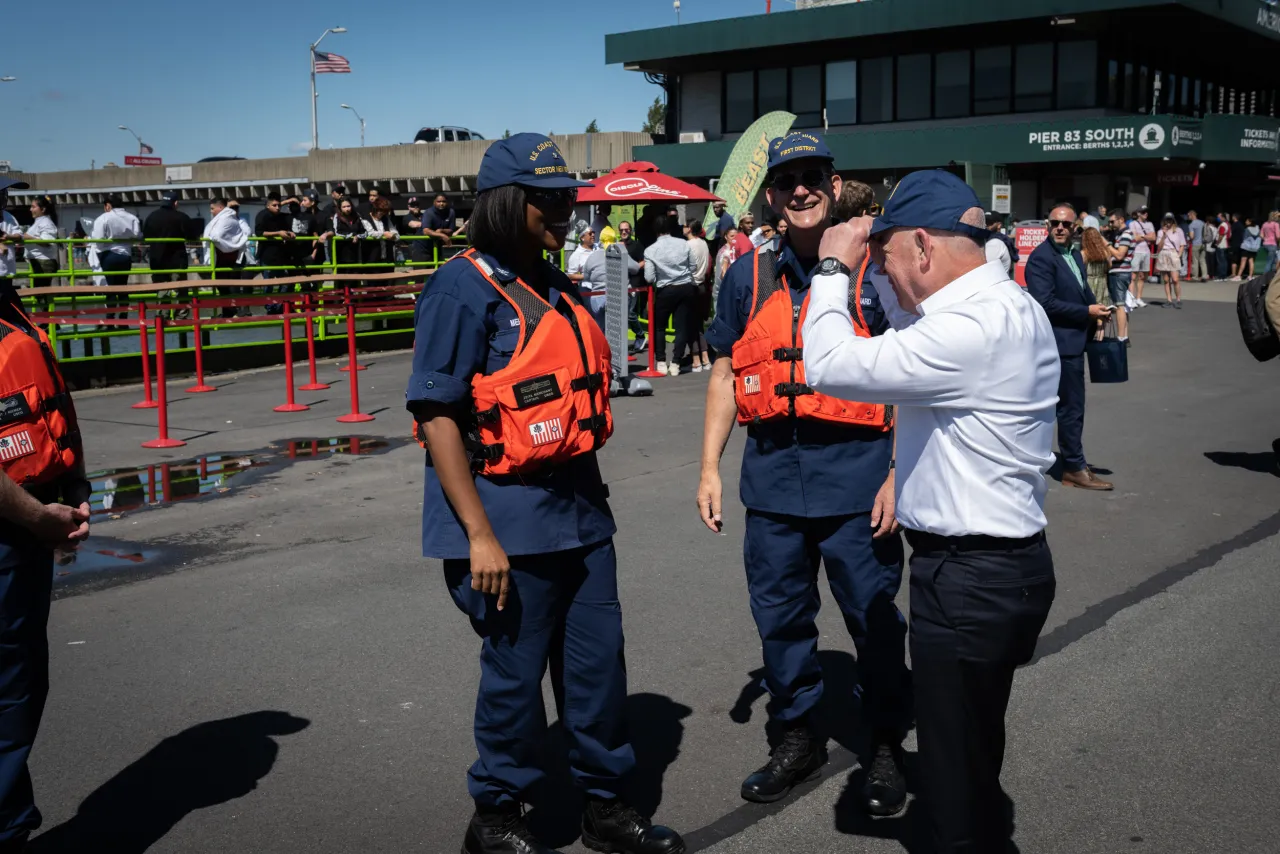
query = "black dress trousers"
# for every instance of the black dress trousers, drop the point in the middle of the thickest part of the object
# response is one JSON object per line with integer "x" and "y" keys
{"x": 977, "y": 607}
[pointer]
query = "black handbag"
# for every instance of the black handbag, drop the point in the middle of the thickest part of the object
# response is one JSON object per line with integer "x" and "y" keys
{"x": 1108, "y": 358}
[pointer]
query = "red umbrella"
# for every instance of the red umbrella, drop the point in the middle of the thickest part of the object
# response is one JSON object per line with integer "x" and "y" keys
{"x": 640, "y": 181}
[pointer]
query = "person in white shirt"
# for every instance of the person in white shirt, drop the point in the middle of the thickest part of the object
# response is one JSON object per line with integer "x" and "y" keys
{"x": 116, "y": 258}
{"x": 578, "y": 257}
{"x": 998, "y": 247}
{"x": 1144, "y": 241}
{"x": 43, "y": 257}
{"x": 972, "y": 367}
{"x": 10, "y": 231}
{"x": 225, "y": 238}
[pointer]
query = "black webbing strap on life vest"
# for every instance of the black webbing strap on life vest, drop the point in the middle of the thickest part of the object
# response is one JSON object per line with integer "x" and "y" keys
{"x": 596, "y": 422}
{"x": 792, "y": 390}
{"x": 788, "y": 354}
{"x": 590, "y": 382}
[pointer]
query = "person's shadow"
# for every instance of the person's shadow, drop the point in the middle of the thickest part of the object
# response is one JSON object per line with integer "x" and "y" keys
{"x": 656, "y": 730}
{"x": 208, "y": 764}
{"x": 1262, "y": 462}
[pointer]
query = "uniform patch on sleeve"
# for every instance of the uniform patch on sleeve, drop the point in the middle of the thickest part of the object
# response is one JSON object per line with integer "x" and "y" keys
{"x": 751, "y": 384}
{"x": 545, "y": 432}
{"x": 16, "y": 445}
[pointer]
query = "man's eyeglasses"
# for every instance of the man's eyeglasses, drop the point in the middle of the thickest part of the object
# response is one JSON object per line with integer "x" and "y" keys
{"x": 1068, "y": 224}
{"x": 551, "y": 198}
{"x": 785, "y": 182}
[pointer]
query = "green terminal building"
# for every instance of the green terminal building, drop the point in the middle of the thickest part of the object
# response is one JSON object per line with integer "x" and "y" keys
{"x": 1168, "y": 103}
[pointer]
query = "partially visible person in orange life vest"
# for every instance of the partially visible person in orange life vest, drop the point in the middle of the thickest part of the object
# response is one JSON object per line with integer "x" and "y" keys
{"x": 44, "y": 505}
{"x": 510, "y": 394}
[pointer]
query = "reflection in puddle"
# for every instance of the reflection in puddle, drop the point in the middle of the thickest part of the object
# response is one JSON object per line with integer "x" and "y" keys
{"x": 118, "y": 491}
{"x": 89, "y": 559}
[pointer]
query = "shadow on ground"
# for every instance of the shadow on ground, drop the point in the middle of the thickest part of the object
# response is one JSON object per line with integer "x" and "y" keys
{"x": 1262, "y": 462}
{"x": 208, "y": 764}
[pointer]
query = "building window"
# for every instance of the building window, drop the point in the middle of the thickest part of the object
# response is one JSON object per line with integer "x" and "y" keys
{"x": 1113, "y": 84}
{"x": 1197, "y": 105}
{"x": 842, "y": 93}
{"x": 806, "y": 96}
{"x": 739, "y": 100}
{"x": 1033, "y": 77}
{"x": 1184, "y": 100}
{"x": 914, "y": 72}
{"x": 1077, "y": 75}
{"x": 875, "y": 90}
{"x": 772, "y": 90}
{"x": 1170, "y": 102}
{"x": 1129, "y": 79}
{"x": 951, "y": 90}
{"x": 992, "y": 80}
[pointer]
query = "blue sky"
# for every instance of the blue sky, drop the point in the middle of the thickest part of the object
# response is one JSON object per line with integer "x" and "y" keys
{"x": 194, "y": 83}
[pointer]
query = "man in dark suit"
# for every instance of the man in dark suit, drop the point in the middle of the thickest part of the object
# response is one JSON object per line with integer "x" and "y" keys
{"x": 1055, "y": 277}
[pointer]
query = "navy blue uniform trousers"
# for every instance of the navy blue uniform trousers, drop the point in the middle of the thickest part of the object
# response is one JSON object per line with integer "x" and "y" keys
{"x": 977, "y": 608}
{"x": 1071, "y": 413}
{"x": 562, "y": 610}
{"x": 26, "y": 583}
{"x": 782, "y": 554}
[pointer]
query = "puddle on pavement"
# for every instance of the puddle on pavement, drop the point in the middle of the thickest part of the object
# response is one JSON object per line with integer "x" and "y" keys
{"x": 90, "y": 559}
{"x": 120, "y": 491}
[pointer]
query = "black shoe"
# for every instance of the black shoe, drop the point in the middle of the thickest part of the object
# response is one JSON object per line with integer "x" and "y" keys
{"x": 615, "y": 827}
{"x": 501, "y": 830}
{"x": 885, "y": 792}
{"x": 798, "y": 758}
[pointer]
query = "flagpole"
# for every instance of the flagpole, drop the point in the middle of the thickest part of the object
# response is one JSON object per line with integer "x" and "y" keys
{"x": 315, "y": 132}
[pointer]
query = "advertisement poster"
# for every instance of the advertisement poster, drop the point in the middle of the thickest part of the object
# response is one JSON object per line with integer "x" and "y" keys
{"x": 1027, "y": 236}
{"x": 744, "y": 171}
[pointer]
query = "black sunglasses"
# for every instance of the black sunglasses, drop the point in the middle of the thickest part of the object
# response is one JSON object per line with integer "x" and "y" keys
{"x": 542, "y": 197}
{"x": 785, "y": 182}
{"x": 1069, "y": 225}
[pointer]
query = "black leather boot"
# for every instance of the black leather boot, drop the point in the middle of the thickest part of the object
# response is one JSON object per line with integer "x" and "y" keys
{"x": 501, "y": 830}
{"x": 885, "y": 791}
{"x": 799, "y": 757}
{"x": 614, "y": 827}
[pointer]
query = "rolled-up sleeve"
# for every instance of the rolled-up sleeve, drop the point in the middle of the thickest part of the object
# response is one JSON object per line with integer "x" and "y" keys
{"x": 450, "y": 347}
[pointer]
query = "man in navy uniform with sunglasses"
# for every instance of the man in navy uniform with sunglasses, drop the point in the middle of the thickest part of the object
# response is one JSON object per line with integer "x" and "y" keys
{"x": 817, "y": 483}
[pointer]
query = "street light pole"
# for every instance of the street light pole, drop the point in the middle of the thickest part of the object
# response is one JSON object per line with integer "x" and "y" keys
{"x": 357, "y": 115}
{"x": 315, "y": 133}
{"x": 141, "y": 149}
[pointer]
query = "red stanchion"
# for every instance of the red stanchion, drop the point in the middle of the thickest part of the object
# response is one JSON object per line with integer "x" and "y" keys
{"x": 201, "y": 386}
{"x": 289, "y": 405}
{"x": 147, "y": 402}
{"x": 351, "y": 334}
{"x": 653, "y": 366}
{"x": 314, "y": 385}
{"x": 166, "y": 482}
{"x": 162, "y": 395}
{"x": 151, "y": 484}
{"x": 355, "y": 415}
{"x": 204, "y": 468}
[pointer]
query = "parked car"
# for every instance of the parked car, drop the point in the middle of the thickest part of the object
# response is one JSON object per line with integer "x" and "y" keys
{"x": 445, "y": 134}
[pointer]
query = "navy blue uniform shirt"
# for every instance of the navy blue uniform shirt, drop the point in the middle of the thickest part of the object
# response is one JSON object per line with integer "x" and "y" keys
{"x": 797, "y": 466}
{"x": 463, "y": 327}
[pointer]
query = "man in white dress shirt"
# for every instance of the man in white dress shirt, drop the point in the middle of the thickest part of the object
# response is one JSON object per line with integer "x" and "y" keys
{"x": 972, "y": 366}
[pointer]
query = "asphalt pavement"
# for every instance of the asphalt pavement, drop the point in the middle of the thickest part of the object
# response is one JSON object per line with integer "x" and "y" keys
{"x": 277, "y": 669}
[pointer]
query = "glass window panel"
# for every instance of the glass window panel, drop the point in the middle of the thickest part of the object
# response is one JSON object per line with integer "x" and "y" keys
{"x": 951, "y": 91}
{"x": 1142, "y": 96}
{"x": 876, "y": 90}
{"x": 772, "y": 93}
{"x": 1113, "y": 84}
{"x": 739, "y": 100}
{"x": 1126, "y": 103}
{"x": 992, "y": 79}
{"x": 1033, "y": 77}
{"x": 914, "y": 72}
{"x": 842, "y": 93}
{"x": 1184, "y": 100}
{"x": 806, "y": 96}
{"x": 1169, "y": 96}
{"x": 1077, "y": 75}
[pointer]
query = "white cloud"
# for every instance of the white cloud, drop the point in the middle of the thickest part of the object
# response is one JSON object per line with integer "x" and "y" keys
{"x": 300, "y": 148}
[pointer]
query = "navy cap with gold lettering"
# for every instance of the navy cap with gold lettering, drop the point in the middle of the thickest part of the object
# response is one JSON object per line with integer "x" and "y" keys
{"x": 529, "y": 159}
{"x": 798, "y": 145}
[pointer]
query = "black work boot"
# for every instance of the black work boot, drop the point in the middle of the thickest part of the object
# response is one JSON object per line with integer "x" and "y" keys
{"x": 615, "y": 827}
{"x": 885, "y": 791}
{"x": 501, "y": 830}
{"x": 799, "y": 757}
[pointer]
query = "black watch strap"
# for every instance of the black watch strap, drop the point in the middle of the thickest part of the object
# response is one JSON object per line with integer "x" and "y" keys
{"x": 831, "y": 266}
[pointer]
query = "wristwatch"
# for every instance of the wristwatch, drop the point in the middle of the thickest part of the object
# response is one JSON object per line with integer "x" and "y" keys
{"x": 832, "y": 266}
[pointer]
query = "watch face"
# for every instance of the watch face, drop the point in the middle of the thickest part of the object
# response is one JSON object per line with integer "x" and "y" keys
{"x": 830, "y": 266}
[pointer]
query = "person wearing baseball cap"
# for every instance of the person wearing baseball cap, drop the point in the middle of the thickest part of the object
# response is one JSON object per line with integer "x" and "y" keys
{"x": 972, "y": 369}
{"x": 510, "y": 392}
{"x": 165, "y": 226}
{"x": 817, "y": 484}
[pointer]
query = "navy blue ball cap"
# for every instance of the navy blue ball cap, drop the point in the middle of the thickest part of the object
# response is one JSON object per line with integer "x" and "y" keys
{"x": 930, "y": 198}
{"x": 530, "y": 159}
{"x": 13, "y": 184}
{"x": 798, "y": 145}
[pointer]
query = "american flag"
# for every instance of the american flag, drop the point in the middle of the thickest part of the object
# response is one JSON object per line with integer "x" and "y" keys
{"x": 17, "y": 445}
{"x": 751, "y": 384}
{"x": 331, "y": 63}
{"x": 143, "y": 148}
{"x": 546, "y": 431}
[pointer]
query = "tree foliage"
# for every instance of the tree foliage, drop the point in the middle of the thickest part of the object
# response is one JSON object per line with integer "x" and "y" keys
{"x": 656, "y": 121}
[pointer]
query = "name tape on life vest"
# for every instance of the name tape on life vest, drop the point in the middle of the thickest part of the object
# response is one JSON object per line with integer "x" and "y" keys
{"x": 751, "y": 384}
{"x": 545, "y": 432}
{"x": 16, "y": 445}
{"x": 531, "y": 392}
{"x": 14, "y": 408}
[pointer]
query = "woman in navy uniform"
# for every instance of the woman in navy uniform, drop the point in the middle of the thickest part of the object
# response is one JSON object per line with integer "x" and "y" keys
{"x": 528, "y": 554}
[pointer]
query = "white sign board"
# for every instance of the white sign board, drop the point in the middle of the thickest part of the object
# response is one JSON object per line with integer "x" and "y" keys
{"x": 177, "y": 173}
{"x": 1002, "y": 198}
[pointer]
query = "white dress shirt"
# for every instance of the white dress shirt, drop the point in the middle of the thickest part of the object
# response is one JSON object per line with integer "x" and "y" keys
{"x": 224, "y": 232}
{"x": 999, "y": 252}
{"x": 8, "y": 260}
{"x": 42, "y": 229}
{"x": 974, "y": 375}
{"x": 116, "y": 224}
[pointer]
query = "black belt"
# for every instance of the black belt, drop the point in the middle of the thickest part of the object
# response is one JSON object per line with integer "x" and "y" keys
{"x": 922, "y": 541}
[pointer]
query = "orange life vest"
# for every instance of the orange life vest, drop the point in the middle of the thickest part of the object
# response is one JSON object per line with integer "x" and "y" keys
{"x": 39, "y": 435}
{"x": 768, "y": 360}
{"x": 551, "y": 402}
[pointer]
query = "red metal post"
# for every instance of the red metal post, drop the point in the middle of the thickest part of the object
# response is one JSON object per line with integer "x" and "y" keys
{"x": 204, "y": 468}
{"x": 314, "y": 385}
{"x": 351, "y": 333}
{"x": 166, "y": 482}
{"x": 653, "y": 367}
{"x": 201, "y": 386}
{"x": 289, "y": 405}
{"x": 151, "y": 484}
{"x": 147, "y": 401}
{"x": 162, "y": 395}
{"x": 355, "y": 415}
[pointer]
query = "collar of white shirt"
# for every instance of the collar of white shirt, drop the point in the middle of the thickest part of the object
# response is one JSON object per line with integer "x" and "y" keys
{"x": 958, "y": 290}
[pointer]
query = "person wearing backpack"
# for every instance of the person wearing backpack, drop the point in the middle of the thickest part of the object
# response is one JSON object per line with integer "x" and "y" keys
{"x": 1249, "y": 246}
